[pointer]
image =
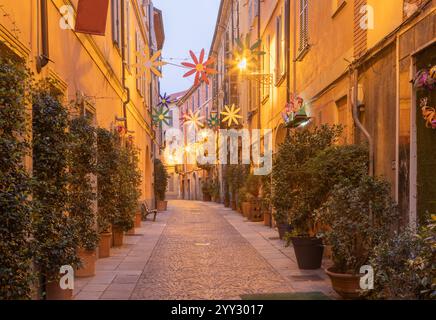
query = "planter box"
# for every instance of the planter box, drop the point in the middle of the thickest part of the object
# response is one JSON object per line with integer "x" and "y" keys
{"x": 88, "y": 259}
{"x": 161, "y": 205}
{"x": 206, "y": 198}
{"x": 117, "y": 237}
{"x": 104, "y": 248}
{"x": 54, "y": 292}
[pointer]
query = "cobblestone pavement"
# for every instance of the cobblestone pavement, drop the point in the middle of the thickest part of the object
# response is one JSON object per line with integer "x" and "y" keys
{"x": 199, "y": 250}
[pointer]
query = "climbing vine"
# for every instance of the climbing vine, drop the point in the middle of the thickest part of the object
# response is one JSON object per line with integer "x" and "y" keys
{"x": 15, "y": 183}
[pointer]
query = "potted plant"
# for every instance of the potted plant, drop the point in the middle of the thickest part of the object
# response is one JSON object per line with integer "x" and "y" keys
{"x": 160, "y": 185}
{"x": 290, "y": 198}
{"x": 128, "y": 193}
{"x": 82, "y": 196}
{"x": 107, "y": 168}
{"x": 358, "y": 218}
{"x": 16, "y": 273}
{"x": 214, "y": 190}
{"x": 252, "y": 186}
{"x": 266, "y": 200}
{"x": 205, "y": 188}
{"x": 55, "y": 234}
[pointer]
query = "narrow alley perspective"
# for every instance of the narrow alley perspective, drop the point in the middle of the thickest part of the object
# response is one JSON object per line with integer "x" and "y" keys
{"x": 199, "y": 250}
{"x": 217, "y": 159}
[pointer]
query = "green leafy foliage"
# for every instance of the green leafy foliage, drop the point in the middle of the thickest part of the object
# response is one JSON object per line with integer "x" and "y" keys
{"x": 289, "y": 176}
{"x": 359, "y": 217}
{"x": 128, "y": 193}
{"x": 83, "y": 152}
{"x": 160, "y": 180}
{"x": 55, "y": 233}
{"x": 107, "y": 166}
{"x": 15, "y": 183}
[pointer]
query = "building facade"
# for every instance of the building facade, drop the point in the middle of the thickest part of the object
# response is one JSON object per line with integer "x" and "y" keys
{"x": 102, "y": 73}
{"x": 352, "y": 62}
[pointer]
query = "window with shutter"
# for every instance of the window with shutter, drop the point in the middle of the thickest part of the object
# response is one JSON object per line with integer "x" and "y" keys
{"x": 116, "y": 18}
{"x": 304, "y": 25}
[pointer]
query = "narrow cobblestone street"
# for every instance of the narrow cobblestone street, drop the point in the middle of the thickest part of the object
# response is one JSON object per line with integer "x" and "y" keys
{"x": 199, "y": 250}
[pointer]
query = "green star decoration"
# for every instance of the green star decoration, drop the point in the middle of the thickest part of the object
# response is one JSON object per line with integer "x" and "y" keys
{"x": 213, "y": 122}
{"x": 161, "y": 115}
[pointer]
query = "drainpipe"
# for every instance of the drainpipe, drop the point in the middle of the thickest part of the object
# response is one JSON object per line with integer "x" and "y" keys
{"x": 294, "y": 59}
{"x": 259, "y": 118}
{"x": 124, "y": 63}
{"x": 288, "y": 50}
{"x": 355, "y": 103}
{"x": 43, "y": 59}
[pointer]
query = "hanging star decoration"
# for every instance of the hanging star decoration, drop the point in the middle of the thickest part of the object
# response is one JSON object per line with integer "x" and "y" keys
{"x": 165, "y": 100}
{"x": 160, "y": 115}
{"x": 245, "y": 56}
{"x": 149, "y": 65}
{"x": 231, "y": 115}
{"x": 213, "y": 122}
{"x": 193, "y": 119}
{"x": 199, "y": 67}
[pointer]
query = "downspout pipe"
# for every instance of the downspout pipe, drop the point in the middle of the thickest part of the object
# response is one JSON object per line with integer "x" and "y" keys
{"x": 359, "y": 125}
{"x": 288, "y": 49}
{"x": 124, "y": 63}
{"x": 44, "y": 58}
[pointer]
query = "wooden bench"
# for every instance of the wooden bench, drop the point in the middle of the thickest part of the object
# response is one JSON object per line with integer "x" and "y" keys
{"x": 146, "y": 211}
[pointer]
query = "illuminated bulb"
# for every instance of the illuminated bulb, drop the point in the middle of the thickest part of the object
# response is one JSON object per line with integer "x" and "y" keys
{"x": 242, "y": 64}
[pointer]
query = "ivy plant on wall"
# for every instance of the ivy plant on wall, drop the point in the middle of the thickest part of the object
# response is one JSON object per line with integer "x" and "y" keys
{"x": 15, "y": 185}
{"x": 82, "y": 169}
{"x": 55, "y": 232}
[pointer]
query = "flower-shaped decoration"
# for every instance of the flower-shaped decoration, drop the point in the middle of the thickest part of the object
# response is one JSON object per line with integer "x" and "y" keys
{"x": 429, "y": 114}
{"x": 424, "y": 80}
{"x": 199, "y": 67}
{"x": 149, "y": 65}
{"x": 165, "y": 100}
{"x": 161, "y": 115}
{"x": 291, "y": 108}
{"x": 245, "y": 56}
{"x": 213, "y": 122}
{"x": 231, "y": 115}
{"x": 193, "y": 119}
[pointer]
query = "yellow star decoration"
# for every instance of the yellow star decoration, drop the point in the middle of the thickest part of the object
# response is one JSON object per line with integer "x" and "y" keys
{"x": 149, "y": 65}
{"x": 194, "y": 119}
{"x": 231, "y": 115}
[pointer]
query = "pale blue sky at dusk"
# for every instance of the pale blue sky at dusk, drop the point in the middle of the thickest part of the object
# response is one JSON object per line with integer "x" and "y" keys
{"x": 189, "y": 25}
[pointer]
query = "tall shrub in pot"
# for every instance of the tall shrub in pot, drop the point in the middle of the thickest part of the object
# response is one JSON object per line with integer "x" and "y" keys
{"x": 359, "y": 217}
{"x": 160, "y": 184}
{"x": 107, "y": 171}
{"x": 16, "y": 275}
{"x": 289, "y": 177}
{"x": 83, "y": 152}
{"x": 54, "y": 229}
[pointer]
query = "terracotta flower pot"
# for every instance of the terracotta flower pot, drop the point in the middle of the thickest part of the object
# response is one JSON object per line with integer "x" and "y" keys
{"x": 255, "y": 214}
{"x": 54, "y": 292}
{"x": 267, "y": 218}
{"x": 117, "y": 236}
{"x": 346, "y": 285}
{"x": 246, "y": 207}
{"x": 161, "y": 205}
{"x": 104, "y": 248}
{"x": 206, "y": 198}
{"x": 233, "y": 205}
{"x": 88, "y": 259}
{"x": 131, "y": 231}
{"x": 309, "y": 251}
{"x": 226, "y": 203}
{"x": 138, "y": 219}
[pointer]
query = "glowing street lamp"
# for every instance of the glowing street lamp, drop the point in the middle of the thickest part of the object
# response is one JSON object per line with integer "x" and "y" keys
{"x": 242, "y": 65}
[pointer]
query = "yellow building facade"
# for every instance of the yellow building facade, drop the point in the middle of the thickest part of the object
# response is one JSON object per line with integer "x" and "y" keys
{"x": 99, "y": 72}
